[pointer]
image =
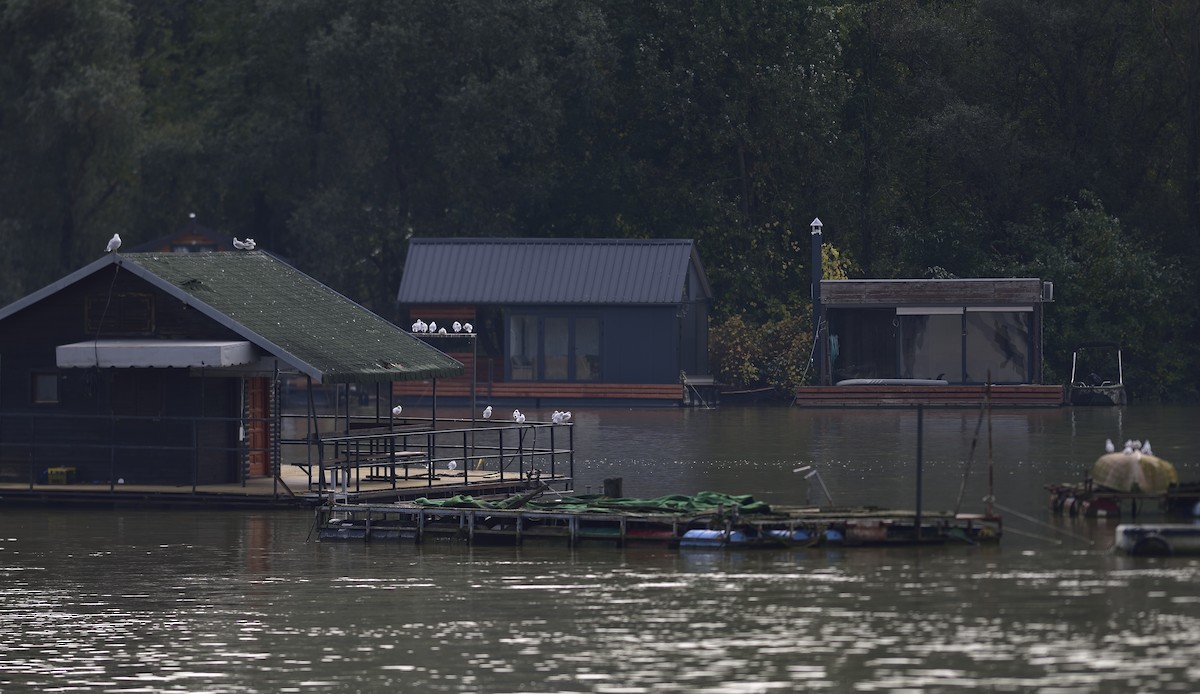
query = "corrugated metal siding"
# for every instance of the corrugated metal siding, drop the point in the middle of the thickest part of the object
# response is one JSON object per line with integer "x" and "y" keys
{"x": 545, "y": 271}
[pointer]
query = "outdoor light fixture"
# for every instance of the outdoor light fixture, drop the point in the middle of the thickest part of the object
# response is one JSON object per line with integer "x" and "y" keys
{"x": 816, "y": 226}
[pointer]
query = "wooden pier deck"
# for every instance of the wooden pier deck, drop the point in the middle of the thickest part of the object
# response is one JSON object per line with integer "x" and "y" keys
{"x": 782, "y": 528}
{"x": 291, "y": 489}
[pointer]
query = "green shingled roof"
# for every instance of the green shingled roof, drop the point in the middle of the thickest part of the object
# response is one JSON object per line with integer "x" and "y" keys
{"x": 292, "y": 316}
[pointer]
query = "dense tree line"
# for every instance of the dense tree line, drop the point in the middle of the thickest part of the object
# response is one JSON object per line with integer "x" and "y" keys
{"x": 963, "y": 138}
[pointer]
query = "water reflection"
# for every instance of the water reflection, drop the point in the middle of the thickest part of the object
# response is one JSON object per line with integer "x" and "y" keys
{"x": 130, "y": 600}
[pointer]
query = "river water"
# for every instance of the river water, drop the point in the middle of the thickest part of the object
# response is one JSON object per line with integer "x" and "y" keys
{"x": 149, "y": 601}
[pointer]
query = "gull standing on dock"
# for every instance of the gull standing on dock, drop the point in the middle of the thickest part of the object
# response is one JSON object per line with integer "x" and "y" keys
{"x": 487, "y": 412}
{"x": 397, "y": 410}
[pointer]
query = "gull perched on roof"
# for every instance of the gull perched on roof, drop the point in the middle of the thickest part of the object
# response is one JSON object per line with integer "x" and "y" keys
{"x": 113, "y": 244}
{"x": 457, "y": 327}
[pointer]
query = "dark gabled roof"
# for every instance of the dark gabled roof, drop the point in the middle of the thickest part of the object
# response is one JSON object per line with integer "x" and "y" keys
{"x": 551, "y": 271}
{"x": 282, "y": 311}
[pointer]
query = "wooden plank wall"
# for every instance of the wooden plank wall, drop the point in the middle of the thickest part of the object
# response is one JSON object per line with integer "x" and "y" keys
{"x": 458, "y": 388}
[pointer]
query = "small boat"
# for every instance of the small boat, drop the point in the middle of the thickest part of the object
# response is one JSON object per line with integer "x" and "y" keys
{"x": 1158, "y": 539}
{"x": 1093, "y": 388}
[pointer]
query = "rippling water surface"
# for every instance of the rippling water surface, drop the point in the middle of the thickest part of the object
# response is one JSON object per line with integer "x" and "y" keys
{"x": 141, "y": 601}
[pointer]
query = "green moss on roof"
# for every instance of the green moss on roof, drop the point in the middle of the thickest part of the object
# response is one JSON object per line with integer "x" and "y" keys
{"x": 292, "y": 315}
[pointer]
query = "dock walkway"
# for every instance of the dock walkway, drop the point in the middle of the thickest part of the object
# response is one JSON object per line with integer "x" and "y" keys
{"x": 779, "y": 528}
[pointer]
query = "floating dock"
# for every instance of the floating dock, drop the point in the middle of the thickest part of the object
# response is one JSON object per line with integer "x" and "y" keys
{"x": 588, "y": 519}
{"x": 1091, "y": 501}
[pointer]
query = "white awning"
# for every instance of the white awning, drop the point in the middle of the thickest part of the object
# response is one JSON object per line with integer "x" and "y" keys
{"x": 154, "y": 353}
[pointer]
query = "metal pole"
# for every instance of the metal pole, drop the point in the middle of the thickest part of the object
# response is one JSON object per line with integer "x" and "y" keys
{"x": 920, "y": 454}
{"x": 818, "y": 340}
{"x": 474, "y": 372}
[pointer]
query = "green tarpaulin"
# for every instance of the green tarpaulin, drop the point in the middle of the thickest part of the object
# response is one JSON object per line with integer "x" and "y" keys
{"x": 673, "y": 503}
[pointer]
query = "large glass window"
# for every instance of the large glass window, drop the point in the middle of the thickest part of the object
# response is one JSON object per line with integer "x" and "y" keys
{"x": 587, "y": 349}
{"x": 997, "y": 342}
{"x": 931, "y": 344}
{"x": 523, "y": 348}
{"x": 554, "y": 348}
{"x": 557, "y": 341}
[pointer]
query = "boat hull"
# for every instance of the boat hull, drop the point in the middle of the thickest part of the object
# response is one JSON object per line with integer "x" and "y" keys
{"x": 1158, "y": 539}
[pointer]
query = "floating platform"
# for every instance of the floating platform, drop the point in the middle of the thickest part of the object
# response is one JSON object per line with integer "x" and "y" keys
{"x": 578, "y": 520}
{"x": 1158, "y": 540}
{"x": 1091, "y": 501}
{"x": 895, "y": 395}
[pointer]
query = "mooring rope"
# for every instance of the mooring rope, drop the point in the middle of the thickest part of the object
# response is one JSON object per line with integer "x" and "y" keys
{"x": 1031, "y": 519}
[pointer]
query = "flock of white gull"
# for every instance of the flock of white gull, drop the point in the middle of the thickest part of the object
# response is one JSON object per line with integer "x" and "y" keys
{"x": 517, "y": 415}
{"x": 1138, "y": 448}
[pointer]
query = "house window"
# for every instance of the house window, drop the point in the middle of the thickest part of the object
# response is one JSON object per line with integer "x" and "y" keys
{"x": 998, "y": 343}
{"x": 523, "y": 348}
{"x": 45, "y": 388}
{"x": 553, "y": 348}
{"x": 931, "y": 344}
{"x": 557, "y": 341}
{"x": 587, "y": 349}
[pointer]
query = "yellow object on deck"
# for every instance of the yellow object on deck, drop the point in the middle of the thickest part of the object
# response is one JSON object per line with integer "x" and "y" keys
{"x": 1136, "y": 472}
{"x": 60, "y": 475}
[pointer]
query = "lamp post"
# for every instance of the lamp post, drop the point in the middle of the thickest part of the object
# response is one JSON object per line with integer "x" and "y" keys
{"x": 818, "y": 342}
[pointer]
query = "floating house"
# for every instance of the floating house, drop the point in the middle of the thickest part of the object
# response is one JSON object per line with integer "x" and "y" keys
{"x": 192, "y": 237}
{"x": 166, "y": 369}
{"x": 942, "y": 342}
{"x": 556, "y": 320}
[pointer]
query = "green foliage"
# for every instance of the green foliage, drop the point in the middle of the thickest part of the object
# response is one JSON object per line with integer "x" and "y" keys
{"x": 775, "y": 353}
{"x": 69, "y": 114}
{"x": 934, "y": 139}
{"x": 1109, "y": 285}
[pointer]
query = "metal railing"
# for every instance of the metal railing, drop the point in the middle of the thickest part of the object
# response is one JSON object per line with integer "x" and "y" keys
{"x": 469, "y": 452}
